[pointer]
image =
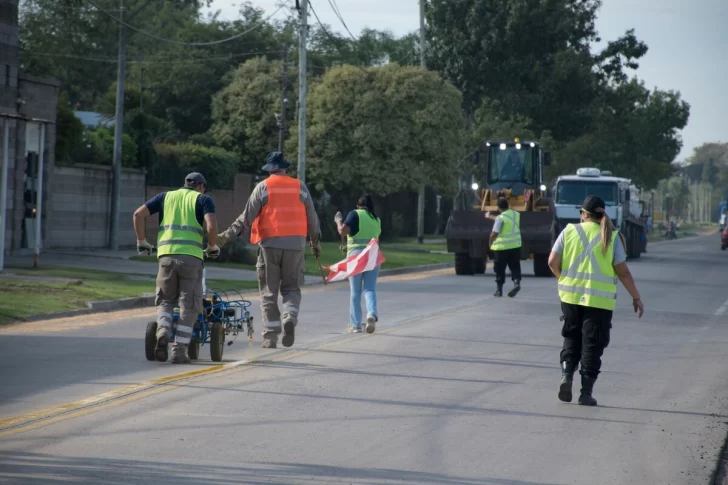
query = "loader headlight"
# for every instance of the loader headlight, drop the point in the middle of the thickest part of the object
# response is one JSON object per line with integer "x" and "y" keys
{"x": 502, "y": 146}
{"x": 543, "y": 188}
{"x": 474, "y": 186}
{"x": 518, "y": 146}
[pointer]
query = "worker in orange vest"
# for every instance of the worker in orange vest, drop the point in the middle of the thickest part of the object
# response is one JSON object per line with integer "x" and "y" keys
{"x": 279, "y": 215}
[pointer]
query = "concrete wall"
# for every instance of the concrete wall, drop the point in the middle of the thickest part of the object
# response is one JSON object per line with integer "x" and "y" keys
{"x": 229, "y": 204}
{"x": 80, "y": 206}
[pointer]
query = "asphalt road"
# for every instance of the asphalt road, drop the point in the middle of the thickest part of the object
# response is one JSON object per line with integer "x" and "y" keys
{"x": 455, "y": 387}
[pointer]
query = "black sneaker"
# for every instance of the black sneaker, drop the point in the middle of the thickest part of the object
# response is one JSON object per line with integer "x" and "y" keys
{"x": 499, "y": 291}
{"x": 288, "y": 334}
{"x": 515, "y": 290}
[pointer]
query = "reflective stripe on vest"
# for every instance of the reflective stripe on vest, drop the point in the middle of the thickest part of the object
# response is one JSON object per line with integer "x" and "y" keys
{"x": 369, "y": 228}
{"x": 284, "y": 214}
{"x": 510, "y": 235}
{"x": 587, "y": 277}
{"x": 179, "y": 231}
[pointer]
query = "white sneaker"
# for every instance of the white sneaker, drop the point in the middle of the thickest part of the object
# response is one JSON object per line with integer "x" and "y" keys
{"x": 371, "y": 321}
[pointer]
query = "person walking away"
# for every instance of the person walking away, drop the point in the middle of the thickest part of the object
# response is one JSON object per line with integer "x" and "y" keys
{"x": 279, "y": 215}
{"x": 360, "y": 227}
{"x": 182, "y": 214}
{"x": 505, "y": 242}
{"x": 587, "y": 259}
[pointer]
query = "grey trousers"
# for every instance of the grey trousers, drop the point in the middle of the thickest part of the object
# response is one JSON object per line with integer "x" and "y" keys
{"x": 179, "y": 279}
{"x": 279, "y": 271}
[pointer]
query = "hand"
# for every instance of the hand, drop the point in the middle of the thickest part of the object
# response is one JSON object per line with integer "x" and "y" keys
{"x": 144, "y": 247}
{"x": 212, "y": 252}
{"x": 338, "y": 217}
{"x": 638, "y": 306}
{"x": 222, "y": 240}
{"x": 316, "y": 249}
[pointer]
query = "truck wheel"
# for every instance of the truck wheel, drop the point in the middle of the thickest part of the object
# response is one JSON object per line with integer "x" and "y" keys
{"x": 541, "y": 265}
{"x": 479, "y": 266}
{"x": 217, "y": 341}
{"x": 464, "y": 264}
{"x": 150, "y": 340}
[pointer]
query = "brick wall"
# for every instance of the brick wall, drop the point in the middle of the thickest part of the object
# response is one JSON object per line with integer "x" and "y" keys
{"x": 81, "y": 206}
{"x": 229, "y": 204}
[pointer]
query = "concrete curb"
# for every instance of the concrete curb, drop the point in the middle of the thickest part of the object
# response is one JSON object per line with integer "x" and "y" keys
{"x": 148, "y": 301}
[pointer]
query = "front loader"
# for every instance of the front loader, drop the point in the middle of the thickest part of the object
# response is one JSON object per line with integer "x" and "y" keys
{"x": 513, "y": 170}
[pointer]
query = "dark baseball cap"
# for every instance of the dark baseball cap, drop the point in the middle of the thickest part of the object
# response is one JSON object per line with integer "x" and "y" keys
{"x": 592, "y": 203}
{"x": 195, "y": 178}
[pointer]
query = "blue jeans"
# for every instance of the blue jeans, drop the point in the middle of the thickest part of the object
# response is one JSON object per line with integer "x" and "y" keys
{"x": 368, "y": 281}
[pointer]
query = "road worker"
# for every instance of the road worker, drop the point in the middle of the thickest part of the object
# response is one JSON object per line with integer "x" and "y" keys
{"x": 360, "y": 227}
{"x": 505, "y": 242}
{"x": 587, "y": 259}
{"x": 182, "y": 214}
{"x": 279, "y": 215}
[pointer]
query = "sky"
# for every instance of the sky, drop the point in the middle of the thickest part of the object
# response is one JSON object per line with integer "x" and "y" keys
{"x": 687, "y": 40}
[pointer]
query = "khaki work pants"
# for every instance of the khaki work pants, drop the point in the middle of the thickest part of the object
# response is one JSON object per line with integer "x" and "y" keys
{"x": 179, "y": 280}
{"x": 279, "y": 271}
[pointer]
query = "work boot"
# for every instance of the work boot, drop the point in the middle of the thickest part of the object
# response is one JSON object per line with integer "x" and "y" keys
{"x": 270, "y": 343}
{"x": 160, "y": 352}
{"x": 288, "y": 334}
{"x": 371, "y": 322}
{"x": 587, "y": 385}
{"x": 179, "y": 354}
{"x": 499, "y": 291}
{"x": 567, "y": 380}
{"x": 516, "y": 288}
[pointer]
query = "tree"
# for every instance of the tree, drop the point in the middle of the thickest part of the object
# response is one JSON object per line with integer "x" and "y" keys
{"x": 676, "y": 196}
{"x": 243, "y": 112}
{"x": 69, "y": 131}
{"x": 384, "y": 130}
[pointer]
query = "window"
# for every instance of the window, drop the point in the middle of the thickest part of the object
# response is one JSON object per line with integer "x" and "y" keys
{"x": 574, "y": 192}
{"x": 511, "y": 165}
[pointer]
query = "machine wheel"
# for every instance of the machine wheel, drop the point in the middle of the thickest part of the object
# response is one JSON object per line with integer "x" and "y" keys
{"x": 479, "y": 266}
{"x": 193, "y": 349}
{"x": 217, "y": 341}
{"x": 464, "y": 264}
{"x": 541, "y": 265}
{"x": 150, "y": 340}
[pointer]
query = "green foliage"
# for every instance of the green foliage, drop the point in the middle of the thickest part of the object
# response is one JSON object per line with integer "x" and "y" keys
{"x": 98, "y": 148}
{"x": 676, "y": 194}
{"x": 175, "y": 161}
{"x": 384, "y": 130}
{"x": 69, "y": 131}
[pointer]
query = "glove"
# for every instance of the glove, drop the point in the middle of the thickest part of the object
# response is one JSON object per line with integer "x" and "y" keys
{"x": 316, "y": 249}
{"x": 144, "y": 247}
{"x": 338, "y": 217}
{"x": 222, "y": 240}
{"x": 212, "y": 252}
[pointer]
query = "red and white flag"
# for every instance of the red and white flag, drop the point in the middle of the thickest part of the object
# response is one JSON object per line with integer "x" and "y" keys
{"x": 355, "y": 264}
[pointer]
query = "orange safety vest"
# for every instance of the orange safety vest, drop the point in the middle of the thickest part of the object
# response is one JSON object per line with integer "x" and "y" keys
{"x": 284, "y": 214}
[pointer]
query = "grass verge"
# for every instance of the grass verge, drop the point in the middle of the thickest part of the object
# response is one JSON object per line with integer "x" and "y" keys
{"x": 50, "y": 290}
{"x": 396, "y": 256}
{"x": 685, "y": 230}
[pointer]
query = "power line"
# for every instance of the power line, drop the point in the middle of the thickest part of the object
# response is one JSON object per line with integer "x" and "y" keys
{"x": 331, "y": 38}
{"x": 177, "y": 42}
{"x": 180, "y": 60}
{"x": 335, "y": 8}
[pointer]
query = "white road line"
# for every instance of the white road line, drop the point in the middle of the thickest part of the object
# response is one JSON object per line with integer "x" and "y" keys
{"x": 723, "y": 308}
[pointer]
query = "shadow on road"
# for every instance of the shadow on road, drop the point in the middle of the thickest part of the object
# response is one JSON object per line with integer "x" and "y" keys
{"x": 37, "y": 469}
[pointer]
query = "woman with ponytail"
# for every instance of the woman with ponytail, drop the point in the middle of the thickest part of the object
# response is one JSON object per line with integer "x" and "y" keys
{"x": 360, "y": 227}
{"x": 588, "y": 258}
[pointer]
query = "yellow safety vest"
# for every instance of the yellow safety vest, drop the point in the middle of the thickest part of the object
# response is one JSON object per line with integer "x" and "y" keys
{"x": 510, "y": 235}
{"x": 369, "y": 228}
{"x": 179, "y": 231}
{"x": 587, "y": 274}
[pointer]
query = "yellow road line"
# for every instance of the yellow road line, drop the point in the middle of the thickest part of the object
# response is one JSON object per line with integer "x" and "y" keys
{"x": 117, "y": 397}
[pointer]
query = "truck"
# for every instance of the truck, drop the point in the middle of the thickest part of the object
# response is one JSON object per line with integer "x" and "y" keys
{"x": 621, "y": 198}
{"x": 512, "y": 170}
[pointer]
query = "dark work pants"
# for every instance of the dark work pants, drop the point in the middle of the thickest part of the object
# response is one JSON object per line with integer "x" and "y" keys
{"x": 510, "y": 258}
{"x": 586, "y": 334}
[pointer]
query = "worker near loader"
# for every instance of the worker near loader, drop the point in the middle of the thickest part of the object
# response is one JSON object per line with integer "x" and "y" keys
{"x": 587, "y": 258}
{"x": 279, "y": 215}
{"x": 182, "y": 214}
{"x": 505, "y": 242}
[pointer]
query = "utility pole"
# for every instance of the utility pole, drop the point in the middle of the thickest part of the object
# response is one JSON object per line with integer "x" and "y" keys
{"x": 421, "y": 195}
{"x": 284, "y": 100}
{"x": 118, "y": 132}
{"x": 302, "y": 86}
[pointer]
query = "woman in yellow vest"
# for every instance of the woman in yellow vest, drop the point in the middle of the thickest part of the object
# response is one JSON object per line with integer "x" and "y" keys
{"x": 360, "y": 227}
{"x": 588, "y": 258}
